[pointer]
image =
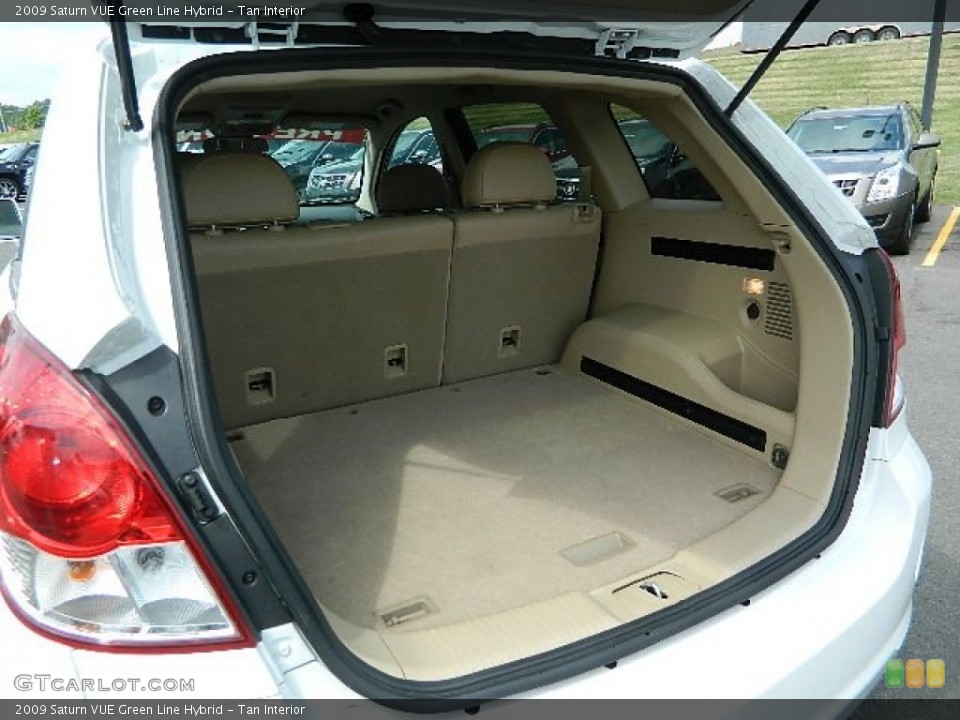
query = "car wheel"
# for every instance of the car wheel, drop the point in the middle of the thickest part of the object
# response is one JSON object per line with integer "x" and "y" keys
{"x": 901, "y": 246}
{"x": 863, "y": 36}
{"x": 839, "y": 38}
{"x": 925, "y": 210}
{"x": 10, "y": 188}
{"x": 888, "y": 33}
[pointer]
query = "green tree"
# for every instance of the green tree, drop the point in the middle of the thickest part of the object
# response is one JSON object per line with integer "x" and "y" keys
{"x": 35, "y": 114}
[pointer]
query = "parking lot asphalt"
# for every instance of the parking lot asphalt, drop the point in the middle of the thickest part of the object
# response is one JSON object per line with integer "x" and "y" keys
{"x": 930, "y": 368}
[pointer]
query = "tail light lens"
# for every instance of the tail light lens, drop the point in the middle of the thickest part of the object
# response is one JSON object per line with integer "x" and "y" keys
{"x": 898, "y": 339}
{"x": 90, "y": 550}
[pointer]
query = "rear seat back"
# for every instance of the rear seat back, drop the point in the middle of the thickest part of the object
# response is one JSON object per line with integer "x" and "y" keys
{"x": 522, "y": 267}
{"x": 300, "y": 319}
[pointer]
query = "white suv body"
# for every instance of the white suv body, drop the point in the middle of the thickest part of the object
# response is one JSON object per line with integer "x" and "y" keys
{"x": 95, "y": 286}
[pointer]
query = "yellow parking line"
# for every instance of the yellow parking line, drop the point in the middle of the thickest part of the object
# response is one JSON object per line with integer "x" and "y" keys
{"x": 941, "y": 240}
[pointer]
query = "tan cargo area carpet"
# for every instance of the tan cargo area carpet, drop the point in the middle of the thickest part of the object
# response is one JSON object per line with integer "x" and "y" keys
{"x": 464, "y": 498}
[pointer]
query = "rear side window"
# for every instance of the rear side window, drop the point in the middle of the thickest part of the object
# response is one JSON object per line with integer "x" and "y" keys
{"x": 416, "y": 144}
{"x": 324, "y": 163}
{"x": 526, "y": 123}
{"x": 666, "y": 170}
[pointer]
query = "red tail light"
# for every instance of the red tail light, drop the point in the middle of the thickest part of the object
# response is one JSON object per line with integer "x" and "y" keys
{"x": 898, "y": 339}
{"x": 89, "y": 549}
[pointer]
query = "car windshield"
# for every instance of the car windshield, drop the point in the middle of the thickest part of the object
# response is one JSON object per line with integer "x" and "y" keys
{"x": 13, "y": 154}
{"x": 354, "y": 157}
{"x": 848, "y": 133}
{"x": 339, "y": 151}
{"x": 296, "y": 151}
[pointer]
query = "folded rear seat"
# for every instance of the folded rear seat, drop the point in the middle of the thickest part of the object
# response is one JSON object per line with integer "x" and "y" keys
{"x": 301, "y": 318}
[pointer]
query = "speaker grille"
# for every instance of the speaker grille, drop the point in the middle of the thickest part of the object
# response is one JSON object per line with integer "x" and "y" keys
{"x": 779, "y": 315}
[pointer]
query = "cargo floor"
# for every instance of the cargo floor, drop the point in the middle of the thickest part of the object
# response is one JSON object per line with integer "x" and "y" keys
{"x": 474, "y": 498}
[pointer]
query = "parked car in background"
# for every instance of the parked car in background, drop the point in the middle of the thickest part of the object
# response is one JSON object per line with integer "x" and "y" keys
{"x": 300, "y": 157}
{"x": 15, "y": 161}
{"x": 11, "y": 221}
{"x": 881, "y": 159}
{"x": 11, "y": 226}
{"x": 415, "y": 147}
{"x": 335, "y": 182}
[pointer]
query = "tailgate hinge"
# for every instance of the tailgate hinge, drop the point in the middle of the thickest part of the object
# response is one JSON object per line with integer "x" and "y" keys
{"x": 254, "y": 31}
{"x": 617, "y": 42}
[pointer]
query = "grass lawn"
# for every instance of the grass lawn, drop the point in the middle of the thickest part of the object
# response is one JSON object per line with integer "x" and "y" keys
{"x": 19, "y": 136}
{"x": 870, "y": 74}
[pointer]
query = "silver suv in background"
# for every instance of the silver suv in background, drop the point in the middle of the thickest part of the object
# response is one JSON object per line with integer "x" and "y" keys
{"x": 881, "y": 159}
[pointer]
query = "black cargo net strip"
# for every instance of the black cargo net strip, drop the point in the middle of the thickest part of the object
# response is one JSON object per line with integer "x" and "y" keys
{"x": 735, "y": 255}
{"x": 732, "y": 428}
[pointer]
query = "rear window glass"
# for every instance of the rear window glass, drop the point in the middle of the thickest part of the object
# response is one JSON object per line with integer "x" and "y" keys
{"x": 324, "y": 165}
{"x": 526, "y": 123}
{"x": 416, "y": 144}
{"x": 16, "y": 153}
{"x": 666, "y": 170}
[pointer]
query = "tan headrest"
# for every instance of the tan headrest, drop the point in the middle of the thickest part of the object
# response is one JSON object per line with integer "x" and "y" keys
{"x": 230, "y": 188}
{"x": 412, "y": 188}
{"x": 508, "y": 173}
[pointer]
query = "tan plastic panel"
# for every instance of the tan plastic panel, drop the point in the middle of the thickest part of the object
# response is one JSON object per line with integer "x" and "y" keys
{"x": 321, "y": 308}
{"x": 820, "y": 353}
{"x": 524, "y": 273}
{"x": 785, "y": 515}
{"x": 631, "y": 275}
{"x": 629, "y": 600}
{"x": 682, "y": 353}
{"x": 483, "y": 643}
{"x": 365, "y": 643}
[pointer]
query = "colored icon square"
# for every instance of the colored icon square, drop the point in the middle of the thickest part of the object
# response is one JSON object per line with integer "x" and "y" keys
{"x": 914, "y": 673}
{"x": 894, "y": 674}
{"x": 936, "y": 674}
